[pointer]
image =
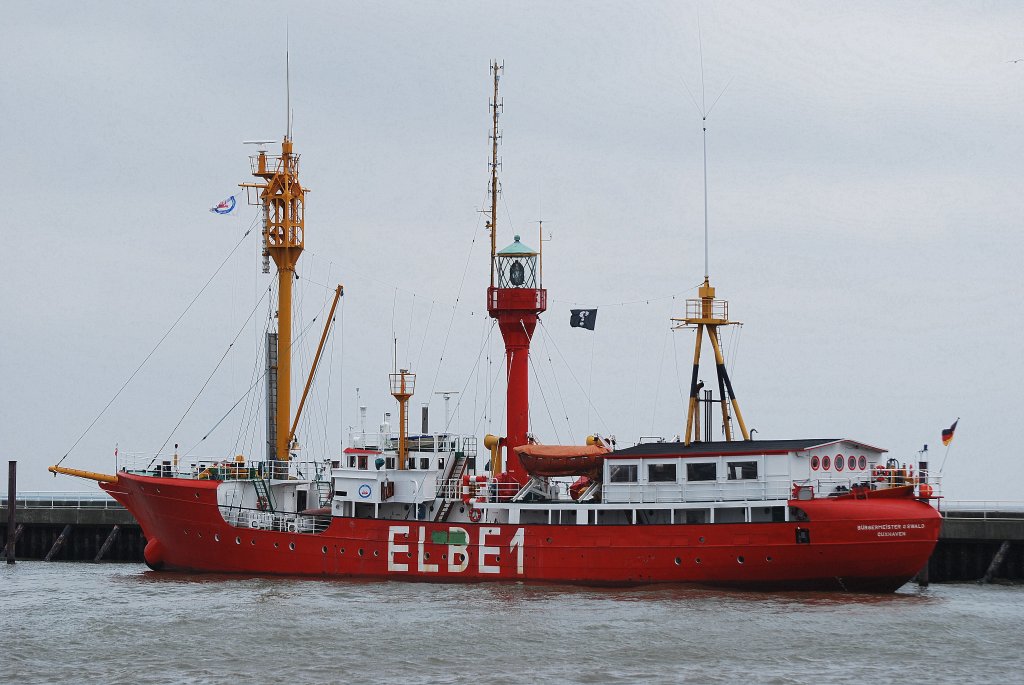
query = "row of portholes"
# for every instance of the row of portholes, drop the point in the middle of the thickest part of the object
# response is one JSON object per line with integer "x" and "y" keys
{"x": 852, "y": 463}
{"x": 739, "y": 560}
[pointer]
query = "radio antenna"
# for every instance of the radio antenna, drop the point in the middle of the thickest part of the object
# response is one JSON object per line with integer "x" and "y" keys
{"x": 287, "y": 81}
{"x": 705, "y": 112}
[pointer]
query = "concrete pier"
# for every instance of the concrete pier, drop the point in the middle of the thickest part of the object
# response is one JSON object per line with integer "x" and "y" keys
{"x": 86, "y": 520}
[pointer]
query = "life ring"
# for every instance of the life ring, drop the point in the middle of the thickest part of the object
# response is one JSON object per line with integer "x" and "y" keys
{"x": 475, "y": 515}
{"x": 878, "y": 473}
{"x": 261, "y": 503}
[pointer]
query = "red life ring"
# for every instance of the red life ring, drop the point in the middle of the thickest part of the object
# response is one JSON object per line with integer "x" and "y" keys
{"x": 878, "y": 473}
{"x": 475, "y": 515}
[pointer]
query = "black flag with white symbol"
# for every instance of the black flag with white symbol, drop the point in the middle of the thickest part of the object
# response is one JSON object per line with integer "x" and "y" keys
{"x": 583, "y": 318}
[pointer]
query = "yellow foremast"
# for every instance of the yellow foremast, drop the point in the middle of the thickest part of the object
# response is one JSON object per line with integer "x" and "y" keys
{"x": 709, "y": 313}
{"x": 282, "y": 198}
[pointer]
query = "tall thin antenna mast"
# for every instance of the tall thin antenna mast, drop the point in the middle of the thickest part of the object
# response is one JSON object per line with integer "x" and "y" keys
{"x": 288, "y": 82}
{"x": 704, "y": 128}
{"x": 492, "y": 220}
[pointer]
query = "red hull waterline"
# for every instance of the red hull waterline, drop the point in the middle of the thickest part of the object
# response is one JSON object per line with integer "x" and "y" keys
{"x": 866, "y": 545}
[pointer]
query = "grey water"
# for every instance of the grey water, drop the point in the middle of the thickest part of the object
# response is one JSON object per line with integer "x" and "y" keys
{"x": 122, "y": 623}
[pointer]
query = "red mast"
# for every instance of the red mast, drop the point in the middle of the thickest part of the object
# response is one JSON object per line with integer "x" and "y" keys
{"x": 515, "y": 298}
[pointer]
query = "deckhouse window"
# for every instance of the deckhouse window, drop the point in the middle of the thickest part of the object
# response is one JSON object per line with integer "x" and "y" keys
{"x": 661, "y": 473}
{"x": 623, "y": 473}
{"x": 742, "y": 470}
{"x": 698, "y": 472}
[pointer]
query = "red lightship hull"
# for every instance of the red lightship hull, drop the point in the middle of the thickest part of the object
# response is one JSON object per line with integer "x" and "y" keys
{"x": 872, "y": 545}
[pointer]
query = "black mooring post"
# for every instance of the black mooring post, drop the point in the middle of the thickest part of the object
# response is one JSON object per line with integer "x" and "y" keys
{"x": 12, "y": 505}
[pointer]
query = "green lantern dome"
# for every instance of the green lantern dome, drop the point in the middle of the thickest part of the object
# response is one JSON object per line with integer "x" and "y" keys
{"x": 517, "y": 249}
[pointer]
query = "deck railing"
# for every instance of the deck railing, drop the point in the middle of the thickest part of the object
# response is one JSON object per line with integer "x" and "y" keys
{"x": 257, "y": 519}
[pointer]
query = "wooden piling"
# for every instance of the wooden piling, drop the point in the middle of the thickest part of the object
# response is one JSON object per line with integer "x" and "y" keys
{"x": 923, "y": 576}
{"x": 12, "y": 506}
{"x": 107, "y": 543}
{"x": 997, "y": 561}
{"x": 58, "y": 543}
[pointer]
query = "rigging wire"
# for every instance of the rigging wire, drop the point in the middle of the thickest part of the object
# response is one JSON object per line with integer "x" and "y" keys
{"x": 582, "y": 389}
{"x": 657, "y": 385}
{"x": 210, "y": 377}
{"x": 160, "y": 341}
{"x": 558, "y": 386}
{"x": 462, "y": 282}
{"x": 543, "y": 396}
{"x": 298, "y": 338}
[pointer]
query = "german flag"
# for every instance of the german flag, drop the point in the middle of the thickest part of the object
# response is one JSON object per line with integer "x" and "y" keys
{"x": 947, "y": 433}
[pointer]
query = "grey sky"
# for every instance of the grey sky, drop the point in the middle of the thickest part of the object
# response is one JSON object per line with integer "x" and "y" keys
{"x": 865, "y": 194}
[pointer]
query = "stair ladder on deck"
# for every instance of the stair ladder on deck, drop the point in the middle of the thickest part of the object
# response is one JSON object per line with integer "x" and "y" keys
{"x": 263, "y": 490}
{"x": 457, "y": 469}
{"x": 323, "y": 492}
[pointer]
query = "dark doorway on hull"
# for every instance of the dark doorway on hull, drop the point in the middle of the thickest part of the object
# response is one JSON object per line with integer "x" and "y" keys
{"x": 803, "y": 536}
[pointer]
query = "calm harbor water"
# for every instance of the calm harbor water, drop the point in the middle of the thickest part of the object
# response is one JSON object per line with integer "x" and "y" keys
{"x": 115, "y": 623}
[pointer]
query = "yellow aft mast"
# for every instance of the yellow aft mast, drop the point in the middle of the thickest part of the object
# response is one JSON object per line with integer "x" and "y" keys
{"x": 282, "y": 197}
{"x": 707, "y": 313}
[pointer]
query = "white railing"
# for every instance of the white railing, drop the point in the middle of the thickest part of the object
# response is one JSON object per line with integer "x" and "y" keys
{"x": 983, "y": 509}
{"x": 256, "y": 519}
{"x": 62, "y": 500}
{"x": 214, "y": 468}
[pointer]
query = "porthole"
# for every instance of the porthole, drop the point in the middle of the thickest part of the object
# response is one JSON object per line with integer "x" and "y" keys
{"x": 360, "y": 551}
{"x": 826, "y": 463}
{"x": 549, "y": 541}
{"x": 698, "y": 560}
{"x": 815, "y": 463}
{"x": 376, "y": 552}
{"x": 462, "y": 510}
{"x": 444, "y": 556}
{"x": 216, "y": 537}
{"x": 678, "y": 561}
{"x": 238, "y": 540}
{"x": 341, "y": 551}
{"x": 253, "y": 542}
{"x": 701, "y": 539}
{"x": 497, "y": 559}
{"x": 768, "y": 559}
{"x": 324, "y": 549}
{"x": 739, "y": 560}
{"x": 197, "y": 495}
{"x": 291, "y": 546}
{"x": 277, "y": 545}
{"x": 426, "y": 555}
{"x": 862, "y": 463}
{"x": 851, "y": 463}
{"x": 158, "y": 491}
{"x": 840, "y": 462}
{"x": 199, "y": 535}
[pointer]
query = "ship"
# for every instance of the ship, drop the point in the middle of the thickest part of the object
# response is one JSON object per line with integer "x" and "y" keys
{"x": 828, "y": 513}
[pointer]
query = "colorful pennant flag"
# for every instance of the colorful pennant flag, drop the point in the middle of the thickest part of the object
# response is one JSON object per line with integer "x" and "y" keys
{"x": 224, "y": 206}
{"x": 947, "y": 433}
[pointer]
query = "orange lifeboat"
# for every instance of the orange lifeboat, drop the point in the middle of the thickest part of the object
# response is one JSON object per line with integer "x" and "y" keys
{"x": 562, "y": 460}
